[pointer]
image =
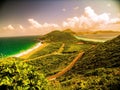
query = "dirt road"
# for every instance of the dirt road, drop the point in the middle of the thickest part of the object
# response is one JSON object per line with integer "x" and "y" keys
{"x": 67, "y": 68}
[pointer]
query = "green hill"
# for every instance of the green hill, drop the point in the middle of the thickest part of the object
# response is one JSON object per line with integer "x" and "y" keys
{"x": 69, "y": 31}
{"x": 104, "y": 55}
{"x": 58, "y": 36}
{"x": 98, "y": 69}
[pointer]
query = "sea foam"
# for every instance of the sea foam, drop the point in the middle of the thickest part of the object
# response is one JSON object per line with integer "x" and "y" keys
{"x": 29, "y": 50}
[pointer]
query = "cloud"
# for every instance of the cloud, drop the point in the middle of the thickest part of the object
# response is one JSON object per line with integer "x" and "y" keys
{"x": 34, "y": 29}
{"x": 21, "y": 27}
{"x": 65, "y": 24}
{"x": 102, "y": 18}
{"x": 10, "y": 27}
{"x": 42, "y": 28}
{"x": 63, "y": 9}
{"x": 115, "y": 20}
{"x": 76, "y": 8}
{"x": 108, "y": 5}
{"x": 49, "y": 25}
{"x": 35, "y": 23}
{"x": 89, "y": 20}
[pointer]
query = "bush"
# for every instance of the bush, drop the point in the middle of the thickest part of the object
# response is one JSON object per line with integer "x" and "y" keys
{"x": 16, "y": 75}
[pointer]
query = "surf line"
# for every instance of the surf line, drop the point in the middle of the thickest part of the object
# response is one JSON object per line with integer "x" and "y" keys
{"x": 29, "y": 50}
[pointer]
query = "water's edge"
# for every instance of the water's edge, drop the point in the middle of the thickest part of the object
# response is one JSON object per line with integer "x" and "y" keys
{"x": 28, "y": 50}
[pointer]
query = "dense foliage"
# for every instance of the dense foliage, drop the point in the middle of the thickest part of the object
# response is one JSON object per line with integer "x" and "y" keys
{"x": 51, "y": 59}
{"x": 52, "y": 64}
{"x": 99, "y": 69}
{"x": 16, "y": 75}
{"x": 96, "y": 79}
{"x": 104, "y": 55}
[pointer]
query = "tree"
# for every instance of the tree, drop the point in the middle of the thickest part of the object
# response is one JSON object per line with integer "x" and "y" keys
{"x": 17, "y": 75}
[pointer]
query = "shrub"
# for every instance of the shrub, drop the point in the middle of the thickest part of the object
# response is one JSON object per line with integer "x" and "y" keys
{"x": 16, "y": 75}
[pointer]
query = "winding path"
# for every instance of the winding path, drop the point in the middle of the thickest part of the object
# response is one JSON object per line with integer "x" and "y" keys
{"x": 53, "y": 77}
{"x": 58, "y": 52}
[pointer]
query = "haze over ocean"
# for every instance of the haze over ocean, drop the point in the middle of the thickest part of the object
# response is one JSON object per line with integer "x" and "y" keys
{"x": 14, "y": 45}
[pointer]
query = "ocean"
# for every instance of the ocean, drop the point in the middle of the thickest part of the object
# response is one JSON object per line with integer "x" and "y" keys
{"x": 14, "y": 45}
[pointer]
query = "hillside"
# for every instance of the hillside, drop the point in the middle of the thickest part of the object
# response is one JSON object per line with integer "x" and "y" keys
{"x": 58, "y": 36}
{"x": 69, "y": 31}
{"x": 98, "y": 69}
{"x": 66, "y": 68}
{"x": 104, "y": 55}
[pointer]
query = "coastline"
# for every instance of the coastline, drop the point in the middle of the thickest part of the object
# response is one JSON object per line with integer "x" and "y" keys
{"x": 30, "y": 51}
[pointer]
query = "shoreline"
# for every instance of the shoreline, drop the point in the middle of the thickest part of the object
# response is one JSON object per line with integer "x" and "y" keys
{"x": 29, "y": 51}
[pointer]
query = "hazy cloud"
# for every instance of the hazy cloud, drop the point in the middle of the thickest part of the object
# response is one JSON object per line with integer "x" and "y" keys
{"x": 108, "y": 5}
{"x": 21, "y": 27}
{"x": 76, "y": 8}
{"x": 63, "y": 9}
{"x": 89, "y": 20}
{"x": 42, "y": 28}
{"x": 49, "y": 25}
{"x": 115, "y": 20}
{"x": 9, "y": 27}
{"x": 34, "y": 23}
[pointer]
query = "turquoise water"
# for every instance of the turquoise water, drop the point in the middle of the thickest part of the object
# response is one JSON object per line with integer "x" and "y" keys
{"x": 14, "y": 45}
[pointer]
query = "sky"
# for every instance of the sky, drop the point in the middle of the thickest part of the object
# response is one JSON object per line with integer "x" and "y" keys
{"x": 32, "y": 17}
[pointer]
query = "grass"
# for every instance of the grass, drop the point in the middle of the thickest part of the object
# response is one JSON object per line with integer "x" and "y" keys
{"x": 51, "y": 47}
{"x": 98, "y": 69}
{"x": 58, "y": 57}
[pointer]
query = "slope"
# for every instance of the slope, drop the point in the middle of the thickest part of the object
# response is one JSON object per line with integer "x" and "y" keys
{"x": 104, "y": 55}
{"x": 98, "y": 69}
{"x": 58, "y": 36}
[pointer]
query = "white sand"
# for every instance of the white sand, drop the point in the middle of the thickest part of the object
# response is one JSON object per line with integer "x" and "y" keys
{"x": 29, "y": 50}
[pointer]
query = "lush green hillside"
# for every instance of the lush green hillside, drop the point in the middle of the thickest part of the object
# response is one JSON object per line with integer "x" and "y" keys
{"x": 98, "y": 69}
{"x": 58, "y": 36}
{"x": 61, "y": 49}
{"x": 56, "y": 56}
{"x": 104, "y": 55}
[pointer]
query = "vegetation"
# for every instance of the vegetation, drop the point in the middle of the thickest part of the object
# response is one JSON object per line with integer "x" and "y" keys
{"x": 56, "y": 60}
{"x": 96, "y": 79}
{"x": 98, "y": 69}
{"x": 104, "y": 55}
{"x": 16, "y": 75}
{"x": 57, "y": 55}
{"x": 69, "y": 31}
{"x": 52, "y": 47}
{"x": 58, "y": 36}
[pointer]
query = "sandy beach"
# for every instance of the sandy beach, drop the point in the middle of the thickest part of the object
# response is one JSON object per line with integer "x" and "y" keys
{"x": 26, "y": 54}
